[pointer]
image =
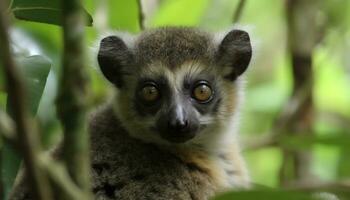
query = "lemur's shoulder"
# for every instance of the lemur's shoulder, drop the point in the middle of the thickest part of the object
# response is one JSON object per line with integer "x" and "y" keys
{"x": 127, "y": 168}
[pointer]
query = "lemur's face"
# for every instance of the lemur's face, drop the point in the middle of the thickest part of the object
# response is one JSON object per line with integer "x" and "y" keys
{"x": 175, "y": 84}
{"x": 179, "y": 102}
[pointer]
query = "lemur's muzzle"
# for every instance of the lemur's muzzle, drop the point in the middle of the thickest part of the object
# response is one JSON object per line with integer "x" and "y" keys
{"x": 177, "y": 125}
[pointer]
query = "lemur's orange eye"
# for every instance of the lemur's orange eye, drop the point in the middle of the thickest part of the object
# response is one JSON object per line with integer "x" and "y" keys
{"x": 149, "y": 93}
{"x": 202, "y": 93}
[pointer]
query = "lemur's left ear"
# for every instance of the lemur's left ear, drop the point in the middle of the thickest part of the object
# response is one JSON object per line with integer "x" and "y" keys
{"x": 234, "y": 53}
{"x": 114, "y": 57}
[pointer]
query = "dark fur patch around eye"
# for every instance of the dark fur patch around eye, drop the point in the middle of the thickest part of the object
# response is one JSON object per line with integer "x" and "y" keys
{"x": 203, "y": 108}
{"x": 187, "y": 101}
{"x": 145, "y": 109}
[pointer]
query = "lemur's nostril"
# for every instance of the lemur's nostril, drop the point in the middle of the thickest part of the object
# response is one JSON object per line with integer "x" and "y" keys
{"x": 182, "y": 125}
{"x": 178, "y": 125}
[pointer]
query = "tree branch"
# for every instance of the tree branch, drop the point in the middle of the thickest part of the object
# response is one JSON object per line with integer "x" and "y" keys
{"x": 58, "y": 174}
{"x": 72, "y": 98}
{"x": 27, "y": 137}
{"x": 7, "y": 127}
{"x": 301, "y": 43}
{"x": 141, "y": 15}
{"x": 267, "y": 140}
{"x": 238, "y": 12}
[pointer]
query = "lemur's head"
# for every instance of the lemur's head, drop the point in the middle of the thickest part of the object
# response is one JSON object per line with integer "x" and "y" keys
{"x": 175, "y": 85}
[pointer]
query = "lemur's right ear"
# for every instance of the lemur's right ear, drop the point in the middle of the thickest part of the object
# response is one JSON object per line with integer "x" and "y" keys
{"x": 113, "y": 57}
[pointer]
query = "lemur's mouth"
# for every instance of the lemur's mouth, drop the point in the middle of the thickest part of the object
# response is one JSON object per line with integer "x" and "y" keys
{"x": 178, "y": 138}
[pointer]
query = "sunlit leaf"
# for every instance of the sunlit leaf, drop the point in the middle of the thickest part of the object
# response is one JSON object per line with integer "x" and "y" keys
{"x": 43, "y": 11}
{"x": 35, "y": 70}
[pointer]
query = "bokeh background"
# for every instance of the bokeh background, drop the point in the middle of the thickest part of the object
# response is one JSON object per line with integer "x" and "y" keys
{"x": 269, "y": 84}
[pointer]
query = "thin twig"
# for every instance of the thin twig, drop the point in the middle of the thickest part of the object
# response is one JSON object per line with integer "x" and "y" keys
{"x": 7, "y": 127}
{"x": 73, "y": 97}
{"x": 27, "y": 137}
{"x": 8, "y": 10}
{"x": 238, "y": 12}
{"x": 267, "y": 140}
{"x": 58, "y": 174}
{"x": 141, "y": 15}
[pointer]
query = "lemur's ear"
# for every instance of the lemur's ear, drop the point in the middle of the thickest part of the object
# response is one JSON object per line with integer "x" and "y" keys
{"x": 234, "y": 53}
{"x": 113, "y": 57}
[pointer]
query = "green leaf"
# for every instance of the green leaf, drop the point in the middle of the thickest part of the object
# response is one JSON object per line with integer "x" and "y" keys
{"x": 43, "y": 11}
{"x": 10, "y": 161}
{"x": 35, "y": 69}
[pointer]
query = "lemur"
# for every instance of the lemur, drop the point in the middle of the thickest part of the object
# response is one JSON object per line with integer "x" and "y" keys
{"x": 170, "y": 132}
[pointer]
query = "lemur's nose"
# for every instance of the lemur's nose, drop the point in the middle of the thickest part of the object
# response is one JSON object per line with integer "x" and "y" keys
{"x": 178, "y": 125}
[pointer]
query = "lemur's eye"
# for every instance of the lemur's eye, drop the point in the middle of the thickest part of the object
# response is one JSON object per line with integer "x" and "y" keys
{"x": 149, "y": 93}
{"x": 202, "y": 92}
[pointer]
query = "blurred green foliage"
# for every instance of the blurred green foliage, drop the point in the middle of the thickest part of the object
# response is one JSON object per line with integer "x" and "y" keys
{"x": 123, "y": 15}
{"x": 269, "y": 79}
{"x": 180, "y": 13}
{"x": 35, "y": 70}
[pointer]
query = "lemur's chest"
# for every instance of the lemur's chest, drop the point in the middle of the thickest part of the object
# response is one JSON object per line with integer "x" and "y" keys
{"x": 226, "y": 170}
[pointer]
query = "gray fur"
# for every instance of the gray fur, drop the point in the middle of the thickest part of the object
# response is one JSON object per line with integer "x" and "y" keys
{"x": 173, "y": 46}
{"x": 125, "y": 168}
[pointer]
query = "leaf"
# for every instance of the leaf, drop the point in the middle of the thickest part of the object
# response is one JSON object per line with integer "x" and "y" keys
{"x": 35, "y": 69}
{"x": 9, "y": 167}
{"x": 43, "y": 11}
